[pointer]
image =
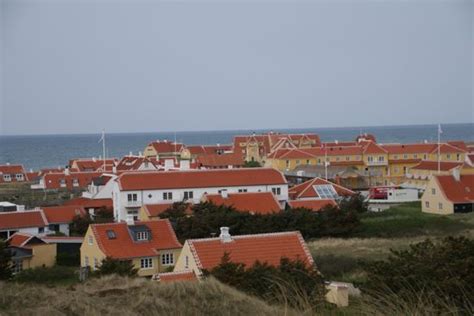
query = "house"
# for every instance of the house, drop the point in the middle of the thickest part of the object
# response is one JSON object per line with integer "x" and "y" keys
{"x": 204, "y": 254}
{"x": 12, "y": 173}
{"x": 10, "y": 207}
{"x": 100, "y": 187}
{"x": 319, "y": 188}
{"x": 92, "y": 164}
{"x": 194, "y": 151}
{"x": 32, "y": 222}
{"x": 67, "y": 180}
{"x": 312, "y": 204}
{"x": 132, "y": 190}
{"x": 418, "y": 176}
{"x": 30, "y": 251}
{"x": 449, "y": 194}
{"x": 163, "y": 149}
{"x": 151, "y": 246}
{"x": 136, "y": 163}
{"x": 219, "y": 161}
{"x": 91, "y": 205}
{"x": 253, "y": 202}
{"x": 151, "y": 212}
{"x": 60, "y": 217}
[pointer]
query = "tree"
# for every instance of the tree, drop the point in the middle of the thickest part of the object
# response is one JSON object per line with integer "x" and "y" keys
{"x": 5, "y": 261}
{"x": 79, "y": 225}
{"x": 104, "y": 215}
{"x": 252, "y": 164}
{"x": 356, "y": 203}
{"x": 115, "y": 266}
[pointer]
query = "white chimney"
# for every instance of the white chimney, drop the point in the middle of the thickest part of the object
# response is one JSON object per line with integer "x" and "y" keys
{"x": 336, "y": 141}
{"x": 93, "y": 159}
{"x": 169, "y": 164}
{"x": 114, "y": 169}
{"x": 457, "y": 174}
{"x": 129, "y": 219}
{"x": 224, "y": 195}
{"x": 140, "y": 154}
{"x": 66, "y": 171}
{"x": 184, "y": 165}
{"x": 130, "y": 154}
{"x": 225, "y": 236}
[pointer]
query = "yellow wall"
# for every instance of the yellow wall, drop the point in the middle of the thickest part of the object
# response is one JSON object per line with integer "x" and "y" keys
{"x": 430, "y": 202}
{"x": 181, "y": 263}
{"x": 149, "y": 152}
{"x": 43, "y": 255}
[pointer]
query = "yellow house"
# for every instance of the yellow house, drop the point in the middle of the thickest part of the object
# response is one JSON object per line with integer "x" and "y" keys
{"x": 419, "y": 175}
{"x": 151, "y": 246}
{"x": 162, "y": 149}
{"x": 449, "y": 194}
{"x": 29, "y": 251}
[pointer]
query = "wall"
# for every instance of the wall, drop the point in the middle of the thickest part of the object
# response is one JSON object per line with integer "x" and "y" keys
{"x": 435, "y": 199}
{"x": 43, "y": 255}
{"x": 90, "y": 251}
{"x": 181, "y": 263}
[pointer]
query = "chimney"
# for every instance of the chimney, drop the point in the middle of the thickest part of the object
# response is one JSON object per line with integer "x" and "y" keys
{"x": 93, "y": 159}
{"x": 184, "y": 164}
{"x": 66, "y": 171}
{"x": 225, "y": 236}
{"x": 457, "y": 174}
{"x": 169, "y": 164}
{"x": 336, "y": 141}
{"x": 140, "y": 154}
{"x": 114, "y": 169}
{"x": 129, "y": 219}
{"x": 224, "y": 195}
{"x": 130, "y": 154}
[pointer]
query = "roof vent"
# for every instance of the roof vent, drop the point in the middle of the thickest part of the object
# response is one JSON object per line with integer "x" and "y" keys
{"x": 457, "y": 174}
{"x": 224, "y": 195}
{"x": 129, "y": 219}
{"x": 225, "y": 236}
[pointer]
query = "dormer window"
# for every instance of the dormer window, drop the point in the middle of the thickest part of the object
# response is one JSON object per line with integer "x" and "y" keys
{"x": 7, "y": 178}
{"x": 19, "y": 177}
{"x": 142, "y": 236}
{"x": 111, "y": 234}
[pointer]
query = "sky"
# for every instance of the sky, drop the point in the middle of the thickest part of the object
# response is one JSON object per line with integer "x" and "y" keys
{"x": 70, "y": 66}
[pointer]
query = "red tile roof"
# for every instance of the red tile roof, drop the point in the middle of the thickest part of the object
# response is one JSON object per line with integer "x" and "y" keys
{"x": 91, "y": 164}
{"x": 90, "y": 203}
{"x": 19, "y": 239}
{"x": 313, "y": 204}
{"x": 220, "y": 161}
{"x": 63, "y": 214}
{"x": 433, "y": 165}
{"x": 254, "y": 202}
{"x": 185, "y": 275}
{"x": 135, "y": 162}
{"x": 154, "y": 210}
{"x": 404, "y": 161}
{"x": 164, "y": 147}
{"x": 200, "y": 178}
{"x": 402, "y": 149}
{"x": 461, "y": 191}
{"x": 52, "y": 180}
{"x": 23, "y": 219}
{"x": 247, "y": 249}
{"x": 306, "y": 189}
{"x": 448, "y": 148}
{"x": 373, "y": 148}
{"x": 207, "y": 149}
{"x": 11, "y": 169}
{"x": 124, "y": 247}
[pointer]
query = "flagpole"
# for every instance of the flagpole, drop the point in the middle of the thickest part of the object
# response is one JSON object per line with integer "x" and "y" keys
{"x": 325, "y": 163}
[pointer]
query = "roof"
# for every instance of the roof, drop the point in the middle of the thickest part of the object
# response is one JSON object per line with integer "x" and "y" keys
{"x": 314, "y": 204}
{"x": 11, "y": 169}
{"x": 373, "y": 148}
{"x": 401, "y": 149}
{"x": 124, "y": 247}
{"x": 19, "y": 239}
{"x": 53, "y": 180}
{"x": 62, "y": 239}
{"x": 433, "y": 165}
{"x": 184, "y": 275}
{"x": 461, "y": 191}
{"x": 91, "y": 164}
{"x": 306, "y": 189}
{"x": 154, "y": 210}
{"x": 200, "y": 178}
{"x": 206, "y": 149}
{"x": 63, "y": 214}
{"x": 22, "y": 219}
{"x": 165, "y": 146}
{"x": 90, "y": 203}
{"x": 248, "y": 249}
{"x": 448, "y": 148}
{"x": 254, "y": 202}
{"x": 222, "y": 160}
{"x": 135, "y": 162}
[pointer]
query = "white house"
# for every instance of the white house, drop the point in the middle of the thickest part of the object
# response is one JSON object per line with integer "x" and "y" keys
{"x": 132, "y": 190}
{"x": 101, "y": 187}
{"x": 32, "y": 222}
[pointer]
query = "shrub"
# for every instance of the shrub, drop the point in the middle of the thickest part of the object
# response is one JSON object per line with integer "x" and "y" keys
{"x": 5, "y": 261}
{"x": 115, "y": 266}
{"x": 46, "y": 275}
{"x": 443, "y": 270}
{"x": 79, "y": 225}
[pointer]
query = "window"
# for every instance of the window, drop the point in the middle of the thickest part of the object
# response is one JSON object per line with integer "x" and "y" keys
{"x": 111, "y": 234}
{"x": 17, "y": 266}
{"x": 405, "y": 156}
{"x": 297, "y": 162}
{"x": 424, "y": 156}
{"x": 395, "y": 157}
{"x": 308, "y": 162}
{"x": 7, "y": 177}
{"x": 132, "y": 197}
{"x": 347, "y": 158}
{"x": 167, "y": 259}
{"x": 381, "y": 158}
{"x": 440, "y": 206}
{"x": 40, "y": 230}
{"x": 287, "y": 163}
{"x": 167, "y": 195}
{"x": 19, "y": 176}
{"x": 186, "y": 262}
{"x": 415, "y": 156}
{"x": 188, "y": 195}
{"x": 427, "y": 204}
{"x": 458, "y": 157}
{"x": 433, "y": 191}
{"x": 142, "y": 235}
{"x": 146, "y": 263}
{"x": 96, "y": 263}
{"x": 242, "y": 190}
{"x": 62, "y": 182}
{"x": 370, "y": 159}
{"x": 325, "y": 191}
{"x": 90, "y": 239}
{"x": 86, "y": 261}
{"x": 276, "y": 191}
{"x": 448, "y": 156}
{"x": 75, "y": 182}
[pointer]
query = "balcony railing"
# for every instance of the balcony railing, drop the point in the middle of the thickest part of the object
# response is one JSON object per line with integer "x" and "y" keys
{"x": 377, "y": 163}
{"x": 133, "y": 203}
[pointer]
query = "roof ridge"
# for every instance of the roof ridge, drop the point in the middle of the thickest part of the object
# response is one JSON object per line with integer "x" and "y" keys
{"x": 177, "y": 272}
{"x": 261, "y": 235}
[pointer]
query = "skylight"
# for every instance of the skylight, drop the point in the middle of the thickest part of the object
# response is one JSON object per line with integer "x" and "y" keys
{"x": 111, "y": 234}
{"x": 326, "y": 191}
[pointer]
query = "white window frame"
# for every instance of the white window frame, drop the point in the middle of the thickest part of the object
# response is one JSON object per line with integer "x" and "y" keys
{"x": 90, "y": 240}
{"x": 132, "y": 197}
{"x": 141, "y": 236}
{"x": 19, "y": 177}
{"x": 167, "y": 196}
{"x": 17, "y": 266}
{"x": 7, "y": 178}
{"x": 167, "y": 259}
{"x": 146, "y": 263}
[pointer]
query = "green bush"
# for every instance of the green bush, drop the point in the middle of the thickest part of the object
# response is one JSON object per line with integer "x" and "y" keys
{"x": 443, "y": 270}
{"x": 5, "y": 261}
{"x": 115, "y": 266}
{"x": 47, "y": 275}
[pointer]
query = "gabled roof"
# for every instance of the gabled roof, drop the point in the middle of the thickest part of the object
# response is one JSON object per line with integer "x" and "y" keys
{"x": 63, "y": 214}
{"x": 448, "y": 148}
{"x": 93, "y": 164}
{"x": 19, "y": 239}
{"x": 90, "y": 203}
{"x": 11, "y": 169}
{"x": 313, "y": 204}
{"x": 22, "y": 219}
{"x": 206, "y": 149}
{"x": 248, "y": 249}
{"x": 373, "y": 148}
{"x": 123, "y": 245}
{"x": 135, "y": 162}
{"x": 401, "y": 149}
{"x": 184, "y": 275}
{"x": 222, "y": 160}
{"x": 164, "y": 147}
{"x": 254, "y": 202}
{"x": 433, "y": 165}
{"x": 53, "y": 180}
{"x": 154, "y": 210}
{"x": 306, "y": 189}
{"x": 200, "y": 178}
{"x": 461, "y": 191}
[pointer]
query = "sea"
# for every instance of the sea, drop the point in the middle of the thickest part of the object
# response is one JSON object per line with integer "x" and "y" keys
{"x": 51, "y": 151}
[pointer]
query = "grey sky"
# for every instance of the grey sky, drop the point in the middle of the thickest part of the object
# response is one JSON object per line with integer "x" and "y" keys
{"x": 130, "y": 66}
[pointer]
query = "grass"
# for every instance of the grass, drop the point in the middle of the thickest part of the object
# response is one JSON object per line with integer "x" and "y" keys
{"x": 396, "y": 228}
{"x": 51, "y": 276}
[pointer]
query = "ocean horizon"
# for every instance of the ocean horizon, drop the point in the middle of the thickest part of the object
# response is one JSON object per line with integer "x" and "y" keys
{"x": 55, "y": 150}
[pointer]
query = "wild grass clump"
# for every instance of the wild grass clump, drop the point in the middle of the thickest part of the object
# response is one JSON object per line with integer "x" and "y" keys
{"x": 48, "y": 275}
